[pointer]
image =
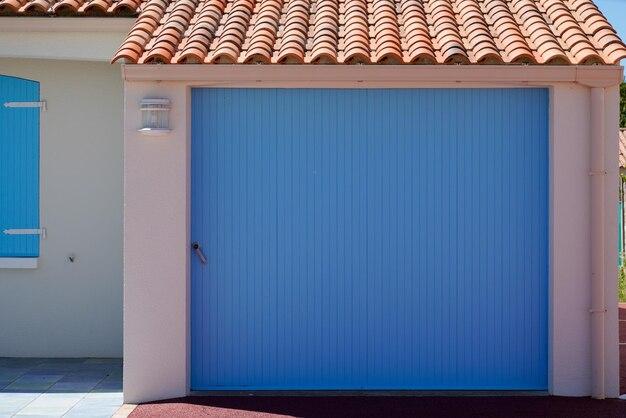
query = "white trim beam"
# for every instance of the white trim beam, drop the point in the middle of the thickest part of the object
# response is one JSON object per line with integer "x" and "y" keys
{"x": 77, "y": 46}
{"x": 400, "y": 76}
{"x": 58, "y": 38}
{"x": 66, "y": 24}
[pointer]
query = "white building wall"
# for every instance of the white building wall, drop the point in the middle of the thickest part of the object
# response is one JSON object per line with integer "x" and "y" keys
{"x": 64, "y": 309}
{"x": 157, "y": 176}
{"x": 570, "y": 292}
{"x": 570, "y": 247}
{"x": 611, "y": 157}
{"x": 155, "y": 258}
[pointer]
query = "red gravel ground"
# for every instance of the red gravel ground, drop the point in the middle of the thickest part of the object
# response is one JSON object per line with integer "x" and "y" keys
{"x": 622, "y": 348}
{"x": 370, "y": 406}
{"x": 394, "y": 406}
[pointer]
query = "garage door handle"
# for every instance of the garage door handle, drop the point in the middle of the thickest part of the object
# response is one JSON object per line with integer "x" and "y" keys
{"x": 198, "y": 250}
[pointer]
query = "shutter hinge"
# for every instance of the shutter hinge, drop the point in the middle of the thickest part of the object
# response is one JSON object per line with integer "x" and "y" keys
{"x": 41, "y": 104}
{"x": 40, "y": 231}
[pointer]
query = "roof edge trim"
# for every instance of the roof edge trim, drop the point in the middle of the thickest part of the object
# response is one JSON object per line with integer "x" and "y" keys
{"x": 66, "y": 24}
{"x": 387, "y": 75}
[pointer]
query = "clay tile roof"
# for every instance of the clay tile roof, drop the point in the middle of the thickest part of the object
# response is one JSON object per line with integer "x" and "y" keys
{"x": 622, "y": 147}
{"x": 112, "y": 8}
{"x": 566, "y": 32}
{"x": 368, "y": 32}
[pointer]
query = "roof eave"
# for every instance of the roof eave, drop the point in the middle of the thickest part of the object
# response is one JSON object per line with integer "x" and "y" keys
{"x": 382, "y": 75}
{"x": 65, "y": 24}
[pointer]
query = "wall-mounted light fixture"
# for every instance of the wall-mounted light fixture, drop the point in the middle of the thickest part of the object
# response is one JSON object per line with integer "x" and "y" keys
{"x": 155, "y": 116}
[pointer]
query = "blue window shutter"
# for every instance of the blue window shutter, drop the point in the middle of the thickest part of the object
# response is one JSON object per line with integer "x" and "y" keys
{"x": 19, "y": 167}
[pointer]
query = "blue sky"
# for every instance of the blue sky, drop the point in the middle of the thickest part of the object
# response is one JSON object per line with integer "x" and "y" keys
{"x": 615, "y": 12}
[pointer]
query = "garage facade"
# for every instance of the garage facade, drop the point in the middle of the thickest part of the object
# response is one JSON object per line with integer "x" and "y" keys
{"x": 353, "y": 195}
{"x": 369, "y": 239}
{"x": 262, "y": 191}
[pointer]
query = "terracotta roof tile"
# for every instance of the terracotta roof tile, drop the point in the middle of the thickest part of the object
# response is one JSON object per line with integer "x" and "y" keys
{"x": 70, "y": 7}
{"x": 362, "y": 31}
{"x": 622, "y": 147}
{"x": 292, "y": 37}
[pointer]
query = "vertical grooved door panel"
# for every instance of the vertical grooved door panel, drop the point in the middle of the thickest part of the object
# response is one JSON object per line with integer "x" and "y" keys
{"x": 19, "y": 167}
{"x": 369, "y": 239}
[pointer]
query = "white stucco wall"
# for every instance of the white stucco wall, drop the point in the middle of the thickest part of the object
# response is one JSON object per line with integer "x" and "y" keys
{"x": 64, "y": 309}
{"x": 157, "y": 176}
{"x": 570, "y": 372}
{"x": 155, "y": 314}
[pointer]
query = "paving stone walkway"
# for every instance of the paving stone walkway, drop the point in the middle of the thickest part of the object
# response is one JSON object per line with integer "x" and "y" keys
{"x": 62, "y": 387}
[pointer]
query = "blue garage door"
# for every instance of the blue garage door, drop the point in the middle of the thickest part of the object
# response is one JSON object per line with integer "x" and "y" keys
{"x": 369, "y": 239}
